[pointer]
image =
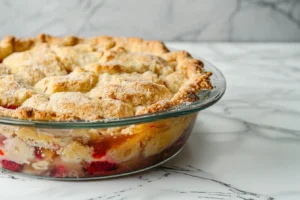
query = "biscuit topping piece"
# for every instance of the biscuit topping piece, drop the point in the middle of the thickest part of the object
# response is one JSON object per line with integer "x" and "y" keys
{"x": 50, "y": 78}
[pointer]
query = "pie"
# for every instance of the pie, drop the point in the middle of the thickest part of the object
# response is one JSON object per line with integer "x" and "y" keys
{"x": 103, "y": 78}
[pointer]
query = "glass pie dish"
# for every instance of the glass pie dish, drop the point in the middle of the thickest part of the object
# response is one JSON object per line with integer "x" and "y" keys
{"x": 108, "y": 151}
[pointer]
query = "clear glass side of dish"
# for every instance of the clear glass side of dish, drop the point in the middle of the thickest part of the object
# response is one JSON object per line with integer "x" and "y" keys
{"x": 87, "y": 153}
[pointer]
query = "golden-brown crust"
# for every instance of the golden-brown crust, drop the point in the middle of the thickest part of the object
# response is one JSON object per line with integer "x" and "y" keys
{"x": 6, "y": 47}
{"x": 134, "y": 77}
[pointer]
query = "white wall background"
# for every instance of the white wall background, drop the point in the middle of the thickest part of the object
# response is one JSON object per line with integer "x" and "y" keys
{"x": 184, "y": 20}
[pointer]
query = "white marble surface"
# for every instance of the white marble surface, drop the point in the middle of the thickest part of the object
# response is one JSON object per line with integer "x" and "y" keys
{"x": 246, "y": 147}
{"x": 169, "y": 20}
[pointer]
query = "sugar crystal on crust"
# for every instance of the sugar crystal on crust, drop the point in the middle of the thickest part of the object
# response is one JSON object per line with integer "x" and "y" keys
{"x": 78, "y": 104}
{"x": 71, "y": 78}
{"x": 77, "y": 81}
{"x": 35, "y": 64}
{"x": 13, "y": 91}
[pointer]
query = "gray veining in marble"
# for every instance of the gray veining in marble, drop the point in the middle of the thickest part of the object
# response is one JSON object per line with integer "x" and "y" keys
{"x": 246, "y": 147}
{"x": 169, "y": 20}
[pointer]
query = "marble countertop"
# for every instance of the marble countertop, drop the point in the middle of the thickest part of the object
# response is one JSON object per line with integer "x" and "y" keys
{"x": 247, "y": 146}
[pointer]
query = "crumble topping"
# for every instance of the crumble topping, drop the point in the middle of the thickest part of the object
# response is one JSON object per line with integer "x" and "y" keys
{"x": 51, "y": 78}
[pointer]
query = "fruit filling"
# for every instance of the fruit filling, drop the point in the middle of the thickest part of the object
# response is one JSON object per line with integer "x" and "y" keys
{"x": 80, "y": 153}
{"x": 58, "y": 171}
{"x": 38, "y": 153}
{"x": 11, "y": 107}
{"x": 99, "y": 166}
{"x": 99, "y": 149}
{"x": 10, "y": 165}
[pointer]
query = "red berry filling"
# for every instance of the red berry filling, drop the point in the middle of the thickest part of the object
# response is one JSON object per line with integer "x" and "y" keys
{"x": 95, "y": 167}
{"x": 99, "y": 149}
{"x": 10, "y": 165}
{"x": 38, "y": 153}
{"x": 1, "y": 153}
{"x": 2, "y": 138}
{"x": 11, "y": 107}
{"x": 58, "y": 171}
